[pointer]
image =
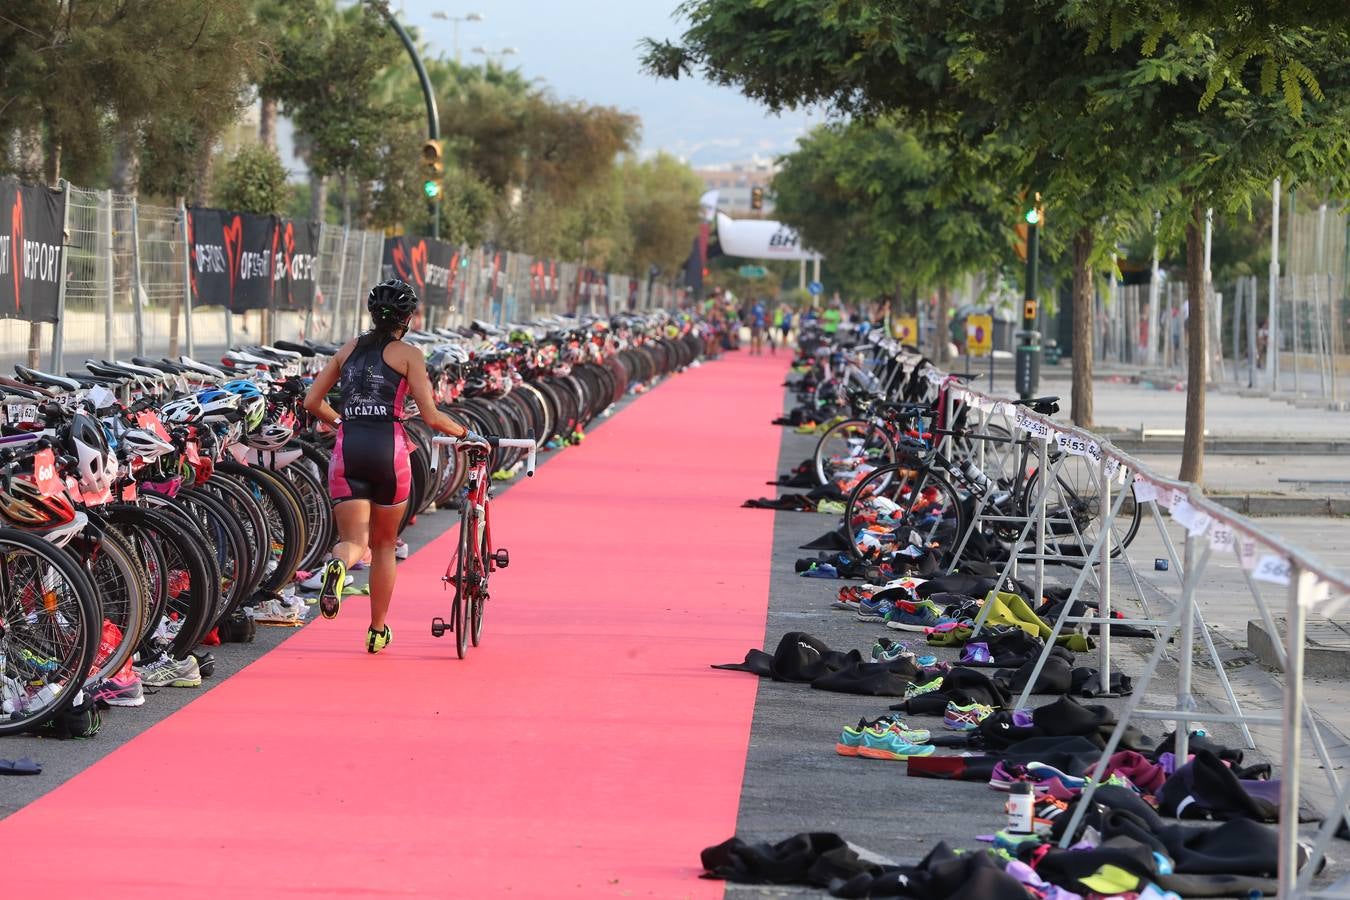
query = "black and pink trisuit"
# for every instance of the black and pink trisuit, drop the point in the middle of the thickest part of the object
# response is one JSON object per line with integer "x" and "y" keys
{"x": 370, "y": 461}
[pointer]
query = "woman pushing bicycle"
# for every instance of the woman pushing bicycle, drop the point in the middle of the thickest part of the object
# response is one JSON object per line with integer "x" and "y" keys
{"x": 369, "y": 476}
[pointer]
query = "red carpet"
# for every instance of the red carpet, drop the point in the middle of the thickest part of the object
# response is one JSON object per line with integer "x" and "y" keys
{"x": 586, "y": 749}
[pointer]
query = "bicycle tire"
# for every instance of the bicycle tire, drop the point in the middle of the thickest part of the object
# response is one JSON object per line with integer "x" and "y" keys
{"x": 239, "y": 500}
{"x": 114, "y": 573}
{"x": 479, "y": 596}
{"x": 838, "y": 433}
{"x": 71, "y": 611}
{"x": 191, "y": 579}
{"x": 908, "y": 484}
{"x": 285, "y": 524}
{"x": 457, "y": 612}
{"x": 1130, "y": 513}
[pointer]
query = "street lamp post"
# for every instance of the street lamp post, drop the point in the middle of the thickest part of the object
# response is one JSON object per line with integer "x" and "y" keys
{"x": 495, "y": 57}
{"x": 433, "y": 118}
{"x": 470, "y": 17}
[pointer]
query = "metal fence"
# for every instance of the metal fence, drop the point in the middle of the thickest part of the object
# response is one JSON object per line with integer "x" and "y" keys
{"x": 126, "y": 290}
{"x": 1297, "y": 352}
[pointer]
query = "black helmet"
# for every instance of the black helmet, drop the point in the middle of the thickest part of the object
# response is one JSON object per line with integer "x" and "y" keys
{"x": 392, "y": 302}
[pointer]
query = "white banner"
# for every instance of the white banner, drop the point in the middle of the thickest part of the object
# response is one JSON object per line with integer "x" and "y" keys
{"x": 707, "y": 204}
{"x": 759, "y": 239}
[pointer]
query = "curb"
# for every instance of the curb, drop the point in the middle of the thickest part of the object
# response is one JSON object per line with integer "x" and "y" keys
{"x": 1319, "y": 661}
{"x": 1239, "y": 446}
{"x": 1282, "y": 505}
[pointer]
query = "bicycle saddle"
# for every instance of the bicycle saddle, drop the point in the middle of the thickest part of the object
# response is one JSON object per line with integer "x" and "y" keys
{"x": 33, "y": 376}
{"x": 1046, "y": 406}
{"x": 294, "y": 348}
{"x": 15, "y": 386}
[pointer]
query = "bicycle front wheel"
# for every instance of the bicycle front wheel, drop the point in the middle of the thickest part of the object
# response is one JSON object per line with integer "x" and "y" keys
{"x": 847, "y": 446}
{"x": 480, "y": 593}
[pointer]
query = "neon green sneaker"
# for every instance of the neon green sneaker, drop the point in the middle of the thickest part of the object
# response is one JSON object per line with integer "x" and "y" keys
{"x": 330, "y": 595}
{"x": 918, "y": 690}
{"x": 377, "y": 640}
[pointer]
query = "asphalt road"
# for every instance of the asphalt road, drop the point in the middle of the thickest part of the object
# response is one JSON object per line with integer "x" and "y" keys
{"x": 794, "y": 780}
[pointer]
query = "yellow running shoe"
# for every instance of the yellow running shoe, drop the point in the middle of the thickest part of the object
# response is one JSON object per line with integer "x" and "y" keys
{"x": 330, "y": 595}
{"x": 377, "y": 640}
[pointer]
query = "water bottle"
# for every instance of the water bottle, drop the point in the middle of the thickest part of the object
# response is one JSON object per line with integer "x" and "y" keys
{"x": 1021, "y": 809}
{"x": 977, "y": 478}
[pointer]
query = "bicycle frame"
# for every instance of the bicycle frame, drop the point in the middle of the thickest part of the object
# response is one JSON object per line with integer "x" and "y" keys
{"x": 475, "y": 558}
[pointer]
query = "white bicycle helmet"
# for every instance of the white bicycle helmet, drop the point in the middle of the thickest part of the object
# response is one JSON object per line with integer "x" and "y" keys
{"x": 145, "y": 444}
{"x": 183, "y": 411}
{"x": 97, "y": 464}
{"x": 274, "y": 434}
{"x": 216, "y": 404}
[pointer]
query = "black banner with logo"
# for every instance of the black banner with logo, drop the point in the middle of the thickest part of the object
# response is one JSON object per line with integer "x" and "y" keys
{"x": 31, "y": 219}
{"x": 430, "y": 266}
{"x": 296, "y": 265}
{"x": 232, "y": 256}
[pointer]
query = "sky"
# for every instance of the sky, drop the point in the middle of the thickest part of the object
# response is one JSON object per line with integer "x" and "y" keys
{"x": 588, "y": 50}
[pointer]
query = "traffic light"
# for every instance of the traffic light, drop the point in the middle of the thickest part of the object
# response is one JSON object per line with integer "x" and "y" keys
{"x": 757, "y": 198}
{"x": 1032, "y": 213}
{"x": 433, "y": 167}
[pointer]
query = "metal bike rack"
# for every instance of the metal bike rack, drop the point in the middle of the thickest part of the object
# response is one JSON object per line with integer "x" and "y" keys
{"x": 1212, "y": 532}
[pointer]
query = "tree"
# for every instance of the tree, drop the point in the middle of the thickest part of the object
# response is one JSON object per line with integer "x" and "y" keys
{"x": 253, "y": 181}
{"x": 325, "y": 74}
{"x": 880, "y": 202}
{"x": 660, "y": 198}
{"x": 76, "y": 74}
{"x": 1105, "y": 127}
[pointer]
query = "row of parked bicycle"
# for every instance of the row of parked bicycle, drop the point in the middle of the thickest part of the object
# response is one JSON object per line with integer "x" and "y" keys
{"x": 144, "y": 504}
{"x": 904, "y": 461}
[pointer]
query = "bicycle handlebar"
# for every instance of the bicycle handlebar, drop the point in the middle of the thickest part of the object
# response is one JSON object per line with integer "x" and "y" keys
{"x": 516, "y": 443}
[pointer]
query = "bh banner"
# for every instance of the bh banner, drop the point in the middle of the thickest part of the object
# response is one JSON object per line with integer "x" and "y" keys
{"x": 759, "y": 239}
{"x": 296, "y": 266}
{"x": 232, "y": 256}
{"x": 428, "y": 265}
{"x": 31, "y": 219}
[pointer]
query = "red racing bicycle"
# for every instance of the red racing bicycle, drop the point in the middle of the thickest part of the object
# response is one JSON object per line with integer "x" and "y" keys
{"x": 475, "y": 559}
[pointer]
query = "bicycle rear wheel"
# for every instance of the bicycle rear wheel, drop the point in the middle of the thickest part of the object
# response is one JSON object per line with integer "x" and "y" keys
{"x": 846, "y": 446}
{"x": 1076, "y": 496}
{"x": 479, "y": 594}
{"x": 911, "y": 503}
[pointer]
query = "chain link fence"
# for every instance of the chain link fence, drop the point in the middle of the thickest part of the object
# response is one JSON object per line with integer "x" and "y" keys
{"x": 1298, "y": 353}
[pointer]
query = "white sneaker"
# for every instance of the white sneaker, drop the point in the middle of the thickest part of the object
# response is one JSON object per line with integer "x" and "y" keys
{"x": 313, "y": 582}
{"x": 401, "y": 549}
{"x": 168, "y": 672}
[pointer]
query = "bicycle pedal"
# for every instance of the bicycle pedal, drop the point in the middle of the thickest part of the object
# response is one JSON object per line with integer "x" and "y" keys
{"x": 438, "y": 627}
{"x": 502, "y": 558}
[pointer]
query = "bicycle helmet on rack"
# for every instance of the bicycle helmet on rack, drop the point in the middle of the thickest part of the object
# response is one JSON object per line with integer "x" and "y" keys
{"x": 216, "y": 404}
{"x": 276, "y": 432}
{"x": 392, "y": 302}
{"x": 182, "y": 411}
{"x": 23, "y": 505}
{"x": 252, "y": 401}
{"x": 96, "y": 463}
{"x": 145, "y": 443}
